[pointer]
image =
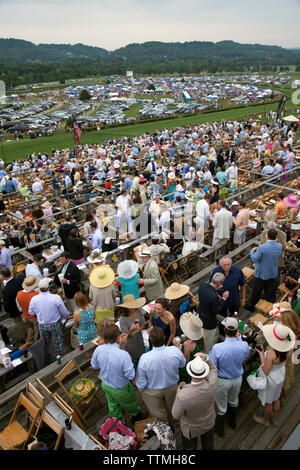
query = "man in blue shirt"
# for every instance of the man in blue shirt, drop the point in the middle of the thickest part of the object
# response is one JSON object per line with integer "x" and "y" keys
{"x": 5, "y": 256}
{"x": 10, "y": 186}
{"x": 55, "y": 185}
{"x": 267, "y": 170}
{"x": 234, "y": 279}
{"x": 117, "y": 374}
{"x": 96, "y": 236}
{"x": 158, "y": 375}
{"x": 228, "y": 357}
{"x": 265, "y": 258}
{"x": 127, "y": 183}
{"x": 131, "y": 162}
{"x": 171, "y": 153}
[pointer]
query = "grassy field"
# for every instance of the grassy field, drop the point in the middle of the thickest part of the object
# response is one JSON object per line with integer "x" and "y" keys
{"x": 15, "y": 150}
{"x": 133, "y": 110}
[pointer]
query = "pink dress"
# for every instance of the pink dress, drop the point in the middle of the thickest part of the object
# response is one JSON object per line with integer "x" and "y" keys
{"x": 48, "y": 212}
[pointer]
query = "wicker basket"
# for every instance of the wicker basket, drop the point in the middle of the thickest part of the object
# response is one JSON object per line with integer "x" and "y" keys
{"x": 264, "y": 307}
{"x": 254, "y": 321}
{"x": 283, "y": 289}
{"x": 248, "y": 273}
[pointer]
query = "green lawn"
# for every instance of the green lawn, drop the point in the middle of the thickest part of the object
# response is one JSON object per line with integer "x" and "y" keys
{"x": 133, "y": 110}
{"x": 19, "y": 149}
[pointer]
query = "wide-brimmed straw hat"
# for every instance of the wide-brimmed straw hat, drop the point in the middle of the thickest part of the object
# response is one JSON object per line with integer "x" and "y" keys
{"x": 175, "y": 291}
{"x": 171, "y": 175}
{"x": 291, "y": 200}
{"x": 191, "y": 325}
{"x": 130, "y": 302}
{"x": 30, "y": 282}
{"x": 46, "y": 204}
{"x": 101, "y": 276}
{"x": 280, "y": 337}
{"x": 197, "y": 368}
{"x": 127, "y": 269}
{"x": 97, "y": 257}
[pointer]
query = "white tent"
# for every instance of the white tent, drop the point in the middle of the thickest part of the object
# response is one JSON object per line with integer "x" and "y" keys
{"x": 291, "y": 118}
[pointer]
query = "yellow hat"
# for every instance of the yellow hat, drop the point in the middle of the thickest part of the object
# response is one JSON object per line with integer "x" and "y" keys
{"x": 101, "y": 276}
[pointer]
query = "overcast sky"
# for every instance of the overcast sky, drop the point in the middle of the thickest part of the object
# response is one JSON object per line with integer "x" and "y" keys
{"x": 114, "y": 23}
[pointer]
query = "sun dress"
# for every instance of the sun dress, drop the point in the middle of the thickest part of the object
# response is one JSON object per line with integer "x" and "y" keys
{"x": 275, "y": 380}
{"x": 86, "y": 327}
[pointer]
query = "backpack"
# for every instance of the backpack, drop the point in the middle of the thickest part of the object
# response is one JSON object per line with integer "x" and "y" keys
{"x": 169, "y": 258}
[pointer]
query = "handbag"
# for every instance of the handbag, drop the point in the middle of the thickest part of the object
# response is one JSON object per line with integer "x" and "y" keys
{"x": 120, "y": 437}
{"x": 74, "y": 340}
{"x": 257, "y": 380}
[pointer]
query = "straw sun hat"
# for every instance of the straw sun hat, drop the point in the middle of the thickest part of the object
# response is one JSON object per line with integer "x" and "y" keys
{"x": 131, "y": 302}
{"x": 30, "y": 282}
{"x": 191, "y": 325}
{"x": 101, "y": 276}
{"x": 175, "y": 291}
{"x": 280, "y": 337}
{"x": 97, "y": 257}
{"x": 127, "y": 269}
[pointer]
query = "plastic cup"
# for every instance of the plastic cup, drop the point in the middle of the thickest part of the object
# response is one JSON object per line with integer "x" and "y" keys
{"x": 61, "y": 276}
{"x": 7, "y": 362}
{"x": 45, "y": 271}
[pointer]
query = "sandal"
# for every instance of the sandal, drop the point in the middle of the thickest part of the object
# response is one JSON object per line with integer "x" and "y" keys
{"x": 274, "y": 423}
{"x": 260, "y": 420}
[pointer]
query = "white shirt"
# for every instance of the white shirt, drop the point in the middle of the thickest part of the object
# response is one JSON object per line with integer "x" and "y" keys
{"x": 203, "y": 209}
{"x": 123, "y": 202}
{"x": 232, "y": 172}
{"x": 33, "y": 270}
{"x": 37, "y": 187}
{"x": 164, "y": 218}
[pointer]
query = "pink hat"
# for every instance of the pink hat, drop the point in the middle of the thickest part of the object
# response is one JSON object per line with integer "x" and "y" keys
{"x": 257, "y": 164}
{"x": 291, "y": 200}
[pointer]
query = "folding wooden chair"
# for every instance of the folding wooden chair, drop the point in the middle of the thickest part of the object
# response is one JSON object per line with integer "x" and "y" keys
{"x": 43, "y": 387}
{"x": 70, "y": 367}
{"x": 36, "y": 398}
{"x": 47, "y": 419}
{"x": 34, "y": 395}
{"x": 70, "y": 412}
{"x": 97, "y": 442}
{"x": 15, "y": 436}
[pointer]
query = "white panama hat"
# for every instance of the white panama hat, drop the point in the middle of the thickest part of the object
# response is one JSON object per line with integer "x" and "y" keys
{"x": 197, "y": 368}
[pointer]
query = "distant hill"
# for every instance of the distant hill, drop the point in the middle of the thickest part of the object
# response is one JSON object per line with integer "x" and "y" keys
{"x": 23, "y": 62}
{"x": 18, "y": 50}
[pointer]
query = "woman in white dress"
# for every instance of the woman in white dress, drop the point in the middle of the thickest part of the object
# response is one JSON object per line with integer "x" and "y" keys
{"x": 281, "y": 340}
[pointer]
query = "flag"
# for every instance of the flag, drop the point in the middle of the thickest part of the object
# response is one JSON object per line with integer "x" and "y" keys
{"x": 280, "y": 106}
{"x": 77, "y": 133}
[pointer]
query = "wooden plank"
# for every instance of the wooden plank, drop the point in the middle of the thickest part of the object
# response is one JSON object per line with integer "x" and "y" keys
{"x": 234, "y": 437}
{"x": 287, "y": 415}
{"x": 285, "y": 431}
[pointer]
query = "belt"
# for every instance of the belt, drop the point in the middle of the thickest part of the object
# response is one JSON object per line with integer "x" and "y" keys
{"x": 225, "y": 378}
